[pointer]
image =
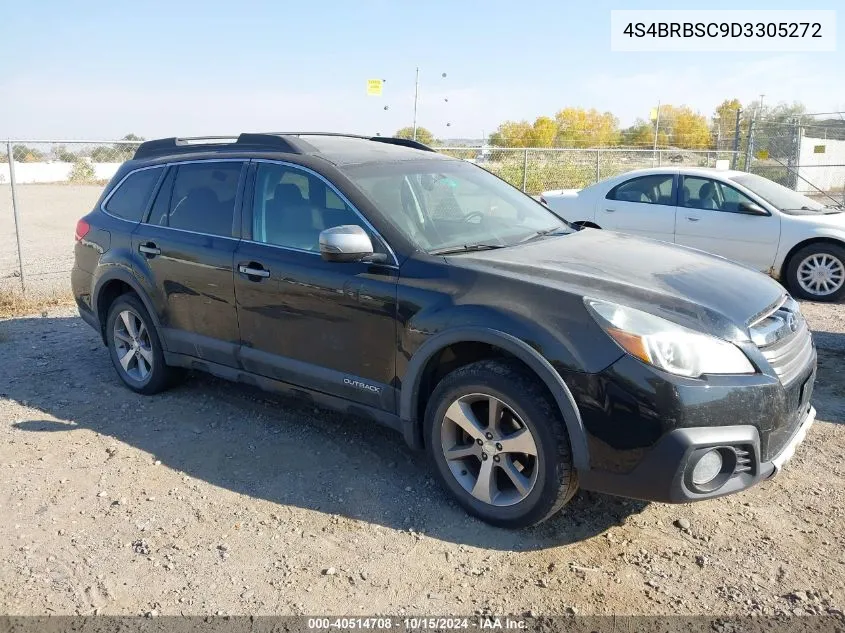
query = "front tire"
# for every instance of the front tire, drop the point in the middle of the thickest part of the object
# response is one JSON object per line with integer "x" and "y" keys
{"x": 135, "y": 348}
{"x": 499, "y": 445}
{"x": 817, "y": 272}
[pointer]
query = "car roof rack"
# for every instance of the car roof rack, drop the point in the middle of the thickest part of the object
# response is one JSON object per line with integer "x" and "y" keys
{"x": 390, "y": 140}
{"x": 287, "y": 142}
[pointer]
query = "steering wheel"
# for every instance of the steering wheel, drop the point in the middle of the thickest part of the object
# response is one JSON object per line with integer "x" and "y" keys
{"x": 474, "y": 214}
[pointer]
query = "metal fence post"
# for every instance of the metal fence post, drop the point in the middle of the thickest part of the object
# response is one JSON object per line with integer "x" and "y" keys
{"x": 736, "y": 138}
{"x": 15, "y": 211}
{"x": 598, "y": 165}
{"x": 525, "y": 171}
{"x": 749, "y": 147}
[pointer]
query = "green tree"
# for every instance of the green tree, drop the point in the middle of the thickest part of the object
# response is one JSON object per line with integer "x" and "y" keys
{"x": 775, "y": 127}
{"x": 24, "y": 154}
{"x": 63, "y": 154}
{"x": 105, "y": 154}
{"x": 641, "y": 135}
{"x": 125, "y": 151}
{"x": 424, "y": 136}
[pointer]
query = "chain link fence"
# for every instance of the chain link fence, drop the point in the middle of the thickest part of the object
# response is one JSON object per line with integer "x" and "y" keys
{"x": 52, "y": 185}
{"x": 57, "y": 182}
{"x": 804, "y": 152}
{"x": 538, "y": 170}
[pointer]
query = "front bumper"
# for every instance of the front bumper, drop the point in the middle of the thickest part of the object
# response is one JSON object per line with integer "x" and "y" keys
{"x": 663, "y": 475}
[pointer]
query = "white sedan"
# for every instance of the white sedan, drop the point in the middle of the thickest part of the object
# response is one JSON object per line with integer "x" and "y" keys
{"x": 743, "y": 217}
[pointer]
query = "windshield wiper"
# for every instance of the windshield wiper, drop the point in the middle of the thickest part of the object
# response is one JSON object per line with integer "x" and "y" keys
{"x": 538, "y": 234}
{"x": 465, "y": 248}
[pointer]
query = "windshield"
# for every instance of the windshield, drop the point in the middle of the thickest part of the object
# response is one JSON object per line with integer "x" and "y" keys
{"x": 778, "y": 195}
{"x": 443, "y": 204}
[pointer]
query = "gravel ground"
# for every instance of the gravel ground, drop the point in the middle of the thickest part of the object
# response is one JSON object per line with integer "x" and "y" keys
{"x": 216, "y": 498}
{"x": 48, "y": 215}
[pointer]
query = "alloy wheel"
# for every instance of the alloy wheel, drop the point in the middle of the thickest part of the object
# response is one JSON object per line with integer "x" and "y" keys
{"x": 132, "y": 345}
{"x": 821, "y": 274}
{"x": 489, "y": 449}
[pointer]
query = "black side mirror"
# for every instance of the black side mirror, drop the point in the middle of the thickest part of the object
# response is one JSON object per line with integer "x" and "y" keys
{"x": 751, "y": 208}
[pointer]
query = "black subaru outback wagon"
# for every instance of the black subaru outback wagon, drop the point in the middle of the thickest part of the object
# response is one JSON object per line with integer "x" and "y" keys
{"x": 379, "y": 277}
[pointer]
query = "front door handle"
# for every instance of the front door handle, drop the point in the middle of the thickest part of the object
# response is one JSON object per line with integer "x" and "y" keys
{"x": 149, "y": 248}
{"x": 251, "y": 270}
{"x": 610, "y": 210}
{"x": 692, "y": 218}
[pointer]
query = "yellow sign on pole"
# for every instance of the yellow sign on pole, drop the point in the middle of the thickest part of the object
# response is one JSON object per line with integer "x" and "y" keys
{"x": 763, "y": 154}
{"x": 652, "y": 114}
{"x": 374, "y": 87}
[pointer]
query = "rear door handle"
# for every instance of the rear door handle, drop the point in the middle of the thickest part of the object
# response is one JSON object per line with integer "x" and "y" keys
{"x": 148, "y": 248}
{"x": 692, "y": 218}
{"x": 251, "y": 271}
{"x": 610, "y": 210}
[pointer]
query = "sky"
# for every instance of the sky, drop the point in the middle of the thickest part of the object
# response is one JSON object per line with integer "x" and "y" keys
{"x": 99, "y": 69}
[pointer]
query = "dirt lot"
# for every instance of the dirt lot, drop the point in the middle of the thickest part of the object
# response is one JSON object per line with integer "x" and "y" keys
{"x": 48, "y": 215}
{"x": 215, "y": 498}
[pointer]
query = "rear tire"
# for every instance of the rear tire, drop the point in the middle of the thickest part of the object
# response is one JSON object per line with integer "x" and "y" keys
{"x": 135, "y": 348}
{"x": 490, "y": 470}
{"x": 817, "y": 272}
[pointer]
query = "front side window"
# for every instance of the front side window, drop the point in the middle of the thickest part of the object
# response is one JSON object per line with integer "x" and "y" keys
{"x": 712, "y": 195}
{"x": 129, "y": 200}
{"x": 199, "y": 197}
{"x": 291, "y": 206}
{"x": 730, "y": 199}
{"x": 440, "y": 204}
{"x": 699, "y": 193}
{"x": 655, "y": 189}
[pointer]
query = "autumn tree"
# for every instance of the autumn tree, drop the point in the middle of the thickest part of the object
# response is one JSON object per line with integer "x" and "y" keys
{"x": 512, "y": 134}
{"x": 724, "y": 122}
{"x": 578, "y": 127}
{"x": 424, "y": 136}
{"x": 686, "y": 128}
{"x": 543, "y": 132}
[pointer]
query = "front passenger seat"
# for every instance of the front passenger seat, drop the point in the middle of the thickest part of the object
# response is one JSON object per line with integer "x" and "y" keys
{"x": 289, "y": 220}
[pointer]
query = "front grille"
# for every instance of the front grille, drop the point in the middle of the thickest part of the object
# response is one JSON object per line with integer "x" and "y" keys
{"x": 789, "y": 356}
{"x": 784, "y": 340}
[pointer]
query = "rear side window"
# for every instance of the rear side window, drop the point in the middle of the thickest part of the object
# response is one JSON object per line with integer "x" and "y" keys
{"x": 656, "y": 189}
{"x": 130, "y": 199}
{"x": 199, "y": 197}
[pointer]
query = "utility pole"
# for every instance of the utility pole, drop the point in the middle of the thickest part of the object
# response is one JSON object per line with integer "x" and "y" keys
{"x": 416, "y": 98}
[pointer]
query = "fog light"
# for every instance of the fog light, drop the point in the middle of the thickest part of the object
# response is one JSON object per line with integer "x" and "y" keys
{"x": 707, "y": 468}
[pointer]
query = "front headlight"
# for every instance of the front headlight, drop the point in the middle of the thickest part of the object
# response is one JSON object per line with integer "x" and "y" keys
{"x": 666, "y": 345}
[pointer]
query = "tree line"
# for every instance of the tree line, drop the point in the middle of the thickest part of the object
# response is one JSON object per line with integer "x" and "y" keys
{"x": 674, "y": 127}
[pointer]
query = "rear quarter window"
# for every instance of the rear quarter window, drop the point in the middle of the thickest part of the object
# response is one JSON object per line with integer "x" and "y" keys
{"x": 129, "y": 200}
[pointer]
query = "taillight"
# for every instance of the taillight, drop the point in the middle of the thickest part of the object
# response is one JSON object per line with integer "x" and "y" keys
{"x": 82, "y": 228}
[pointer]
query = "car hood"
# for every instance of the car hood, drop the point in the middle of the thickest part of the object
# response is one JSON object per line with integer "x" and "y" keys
{"x": 701, "y": 291}
{"x": 830, "y": 218}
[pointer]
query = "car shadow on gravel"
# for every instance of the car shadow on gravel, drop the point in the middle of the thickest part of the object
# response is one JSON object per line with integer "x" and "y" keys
{"x": 829, "y": 390}
{"x": 259, "y": 444}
